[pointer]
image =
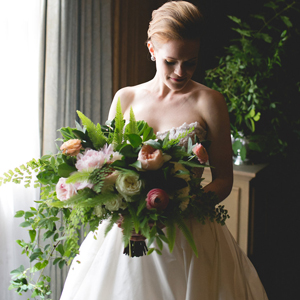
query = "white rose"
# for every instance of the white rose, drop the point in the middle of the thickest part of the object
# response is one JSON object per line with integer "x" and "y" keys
{"x": 128, "y": 184}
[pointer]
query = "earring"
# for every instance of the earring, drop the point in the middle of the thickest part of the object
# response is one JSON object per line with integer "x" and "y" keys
{"x": 152, "y": 58}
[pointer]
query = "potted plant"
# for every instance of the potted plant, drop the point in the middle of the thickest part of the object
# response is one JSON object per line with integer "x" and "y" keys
{"x": 245, "y": 76}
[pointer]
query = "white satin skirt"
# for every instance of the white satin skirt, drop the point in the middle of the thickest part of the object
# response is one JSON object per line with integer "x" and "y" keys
{"x": 221, "y": 272}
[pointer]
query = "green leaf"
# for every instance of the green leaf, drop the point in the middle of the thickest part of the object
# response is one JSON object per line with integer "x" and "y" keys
{"x": 153, "y": 144}
{"x": 61, "y": 264}
{"x": 64, "y": 170}
{"x": 94, "y": 132}
{"x": 60, "y": 249}
{"x": 171, "y": 233}
{"x": 135, "y": 140}
{"x": 235, "y": 19}
{"x": 79, "y": 177}
{"x": 286, "y": 21}
{"x": 243, "y": 153}
{"x": 32, "y": 234}
{"x": 186, "y": 232}
{"x": 237, "y": 145}
{"x": 112, "y": 221}
{"x": 19, "y": 214}
{"x": 137, "y": 164}
{"x": 25, "y": 224}
{"x": 257, "y": 117}
{"x": 150, "y": 251}
{"x": 159, "y": 242}
{"x": 242, "y": 32}
{"x": 17, "y": 272}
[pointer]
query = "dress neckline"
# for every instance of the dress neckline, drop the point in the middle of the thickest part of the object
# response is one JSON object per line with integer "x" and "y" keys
{"x": 184, "y": 126}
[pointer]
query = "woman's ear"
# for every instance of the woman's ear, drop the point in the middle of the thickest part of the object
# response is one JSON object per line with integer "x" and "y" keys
{"x": 150, "y": 48}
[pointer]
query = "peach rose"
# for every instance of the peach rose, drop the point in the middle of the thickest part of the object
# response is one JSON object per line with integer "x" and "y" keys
{"x": 151, "y": 158}
{"x": 71, "y": 147}
{"x": 157, "y": 198}
{"x": 201, "y": 153}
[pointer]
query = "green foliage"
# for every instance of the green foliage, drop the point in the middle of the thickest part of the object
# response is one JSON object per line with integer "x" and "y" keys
{"x": 247, "y": 73}
{"x": 94, "y": 131}
{"x": 119, "y": 125}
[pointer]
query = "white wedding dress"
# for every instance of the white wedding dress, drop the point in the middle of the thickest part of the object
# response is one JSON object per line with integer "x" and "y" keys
{"x": 221, "y": 272}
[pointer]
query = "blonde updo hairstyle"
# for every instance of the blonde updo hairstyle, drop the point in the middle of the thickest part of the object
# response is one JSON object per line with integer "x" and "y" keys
{"x": 175, "y": 20}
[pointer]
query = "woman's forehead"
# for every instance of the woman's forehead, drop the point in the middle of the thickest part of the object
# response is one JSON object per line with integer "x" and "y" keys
{"x": 180, "y": 49}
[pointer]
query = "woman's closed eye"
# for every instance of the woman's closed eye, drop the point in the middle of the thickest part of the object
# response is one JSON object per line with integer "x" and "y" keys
{"x": 169, "y": 63}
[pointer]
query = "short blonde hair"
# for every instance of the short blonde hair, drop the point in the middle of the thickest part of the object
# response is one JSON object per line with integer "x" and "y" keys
{"x": 175, "y": 20}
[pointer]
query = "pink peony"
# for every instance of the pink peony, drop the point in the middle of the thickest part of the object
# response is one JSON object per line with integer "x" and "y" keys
{"x": 151, "y": 158}
{"x": 92, "y": 159}
{"x": 157, "y": 198}
{"x": 64, "y": 190}
{"x": 201, "y": 153}
{"x": 82, "y": 185}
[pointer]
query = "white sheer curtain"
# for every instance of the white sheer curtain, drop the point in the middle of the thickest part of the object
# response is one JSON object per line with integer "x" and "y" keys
{"x": 19, "y": 56}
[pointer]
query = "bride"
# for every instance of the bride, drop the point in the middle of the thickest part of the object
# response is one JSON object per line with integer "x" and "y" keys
{"x": 172, "y": 102}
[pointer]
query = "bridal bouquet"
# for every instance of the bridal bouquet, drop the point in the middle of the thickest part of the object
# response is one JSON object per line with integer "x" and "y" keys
{"x": 118, "y": 172}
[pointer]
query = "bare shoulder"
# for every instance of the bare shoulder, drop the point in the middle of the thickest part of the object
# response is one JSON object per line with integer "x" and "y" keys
{"x": 126, "y": 96}
{"x": 210, "y": 103}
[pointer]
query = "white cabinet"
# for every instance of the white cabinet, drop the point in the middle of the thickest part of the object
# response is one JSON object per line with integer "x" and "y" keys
{"x": 238, "y": 203}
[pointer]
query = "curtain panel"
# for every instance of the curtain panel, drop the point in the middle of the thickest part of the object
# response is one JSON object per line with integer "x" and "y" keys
{"x": 75, "y": 73}
{"x": 76, "y": 65}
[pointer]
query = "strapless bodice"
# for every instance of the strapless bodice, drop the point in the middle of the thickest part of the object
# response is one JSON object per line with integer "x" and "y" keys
{"x": 198, "y": 130}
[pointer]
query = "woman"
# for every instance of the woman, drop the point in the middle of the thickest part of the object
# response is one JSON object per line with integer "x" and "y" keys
{"x": 173, "y": 102}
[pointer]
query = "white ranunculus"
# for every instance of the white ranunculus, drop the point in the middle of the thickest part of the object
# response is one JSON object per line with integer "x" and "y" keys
{"x": 184, "y": 204}
{"x": 180, "y": 167}
{"x": 128, "y": 184}
{"x": 99, "y": 210}
{"x": 115, "y": 203}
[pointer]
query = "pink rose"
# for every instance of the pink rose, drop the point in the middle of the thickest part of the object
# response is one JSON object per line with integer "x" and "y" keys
{"x": 151, "y": 158}
{"x": 201, "y": 153}
{"x": 157, "y": 198}
{"x": 64, "y": 191}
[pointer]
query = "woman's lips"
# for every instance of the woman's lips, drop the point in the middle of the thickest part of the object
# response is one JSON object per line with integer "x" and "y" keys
{"x": 178, "y": 79}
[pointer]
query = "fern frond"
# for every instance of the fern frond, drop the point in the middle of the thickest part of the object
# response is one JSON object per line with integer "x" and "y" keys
{"x": 127, "y": 226}
{"x": 135, "y": 220}
{"x": 94, "y": 132}
{"x": 132, "y": 127}
{"x": 119, "y": 124}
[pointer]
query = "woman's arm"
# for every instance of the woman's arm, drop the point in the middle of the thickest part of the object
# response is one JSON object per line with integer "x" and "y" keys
{"x": 215, "y": 114}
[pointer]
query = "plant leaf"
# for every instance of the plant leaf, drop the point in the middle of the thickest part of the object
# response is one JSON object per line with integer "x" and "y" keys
{"x": 94, "y": 132}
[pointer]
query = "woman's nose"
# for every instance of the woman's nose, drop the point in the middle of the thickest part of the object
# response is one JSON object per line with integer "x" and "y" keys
{"x": 179, "y": 70}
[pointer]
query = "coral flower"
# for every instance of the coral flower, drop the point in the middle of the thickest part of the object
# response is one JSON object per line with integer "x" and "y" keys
{"x": 71, "y": 147}
{"x": 151, "y": 158}
{"x": 157, "y": 198}
{"x": 201, "y": 153}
